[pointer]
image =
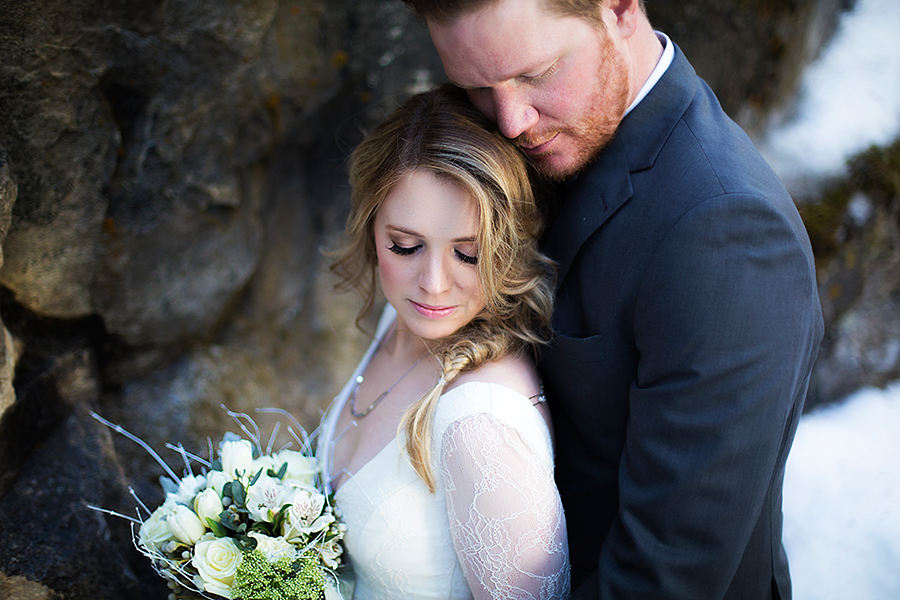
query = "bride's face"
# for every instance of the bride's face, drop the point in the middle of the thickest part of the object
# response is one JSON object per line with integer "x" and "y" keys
{"x": 425, "y": 241}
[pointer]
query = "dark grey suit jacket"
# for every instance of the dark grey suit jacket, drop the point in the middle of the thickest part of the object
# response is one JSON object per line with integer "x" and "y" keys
{"x": 688, "y": 321}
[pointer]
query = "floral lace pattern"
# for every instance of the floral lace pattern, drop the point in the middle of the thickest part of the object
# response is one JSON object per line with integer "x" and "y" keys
{"x": 506, "y": 517}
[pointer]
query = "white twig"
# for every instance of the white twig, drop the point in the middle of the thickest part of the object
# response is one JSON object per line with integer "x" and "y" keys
{"x": 114, "y": 513}
{"x": 188, "y": 455}
{"x": 237, "y": 419}
{"x": 139, "y": 442}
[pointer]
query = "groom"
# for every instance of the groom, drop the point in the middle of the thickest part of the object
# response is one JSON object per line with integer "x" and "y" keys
{"x": 687, "y": 314}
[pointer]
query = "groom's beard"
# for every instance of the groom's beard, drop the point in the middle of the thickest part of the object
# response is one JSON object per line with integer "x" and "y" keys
{"x": 597, "y": 127}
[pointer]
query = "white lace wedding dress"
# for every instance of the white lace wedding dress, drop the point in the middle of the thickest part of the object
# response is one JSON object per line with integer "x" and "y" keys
{"x": 494, "y": 527}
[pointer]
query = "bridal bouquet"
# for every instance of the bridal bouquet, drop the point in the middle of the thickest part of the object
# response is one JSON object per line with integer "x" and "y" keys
{"x": 252, "y": 525}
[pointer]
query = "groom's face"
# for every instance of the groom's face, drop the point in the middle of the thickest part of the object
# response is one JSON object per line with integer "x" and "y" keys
{"x": 557, "y": 85}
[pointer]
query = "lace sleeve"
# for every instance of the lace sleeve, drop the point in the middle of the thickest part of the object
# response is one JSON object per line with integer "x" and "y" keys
{"x": 505, "y": 514}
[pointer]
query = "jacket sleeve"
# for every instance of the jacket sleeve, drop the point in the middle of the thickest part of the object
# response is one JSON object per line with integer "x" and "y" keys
{"x": 726, "y": 333}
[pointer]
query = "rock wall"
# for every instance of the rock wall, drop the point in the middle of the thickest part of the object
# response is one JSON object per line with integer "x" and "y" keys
{"x": 855, "y": 230}
{"x": 170, "y": 172}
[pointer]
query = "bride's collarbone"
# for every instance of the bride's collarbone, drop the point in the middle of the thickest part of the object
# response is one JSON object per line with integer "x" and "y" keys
{"x": 364, "y": 437}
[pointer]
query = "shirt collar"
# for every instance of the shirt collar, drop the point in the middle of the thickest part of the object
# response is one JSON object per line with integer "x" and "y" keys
{"x": 664, "y": 61}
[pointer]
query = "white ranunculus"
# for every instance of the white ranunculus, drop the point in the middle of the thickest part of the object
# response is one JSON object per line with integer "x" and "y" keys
{"x": 155, "y": 531}
{"x": 185, "y": 525}
{"x": 208, "y": 505}
{"x": 187, "y": 488}
{"x": 273, "y": 548}
{"x": 266, "y": 497}
{"x": 264, "y": 462}
{"x": 306, "y": 515}
{"x": 301, "y": 469}
{"x": 216, "y": 480}
{"x": 217, "y": 560}
{"x": 237, "y": 456}
{"x": 330, "y": 553}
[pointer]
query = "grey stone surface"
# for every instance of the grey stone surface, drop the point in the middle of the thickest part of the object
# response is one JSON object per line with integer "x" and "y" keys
{"x": 8, "y": 351}
{"x": 8, "y": 192}
{"x": 174, "y": 170}
{"x": 20, "y": 588}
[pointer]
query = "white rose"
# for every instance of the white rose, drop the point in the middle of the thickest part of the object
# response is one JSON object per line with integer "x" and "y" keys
{"x": 216, "y": 560}
{"x": 155, "y": 531}
{"x": 237, "y": 456}
{"x": 306, "y": 515}
{"x": 265, "y": 498}
{"x": 186, "y": 525}
{"x": 301, "y": 469}
{"x": 208, "y": 505}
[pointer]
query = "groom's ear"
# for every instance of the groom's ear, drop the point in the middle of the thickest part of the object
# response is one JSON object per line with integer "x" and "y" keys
{"x": 626, "y": 13}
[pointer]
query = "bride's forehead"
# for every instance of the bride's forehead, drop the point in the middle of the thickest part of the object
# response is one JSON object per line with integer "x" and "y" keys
{"x": 424, "y": 199}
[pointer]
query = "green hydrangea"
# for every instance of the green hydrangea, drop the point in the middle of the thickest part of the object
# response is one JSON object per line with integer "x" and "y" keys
{"x": 285, "y": 579}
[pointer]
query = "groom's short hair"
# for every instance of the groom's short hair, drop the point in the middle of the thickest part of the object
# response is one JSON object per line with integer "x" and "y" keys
{"x": 446, "y": 11}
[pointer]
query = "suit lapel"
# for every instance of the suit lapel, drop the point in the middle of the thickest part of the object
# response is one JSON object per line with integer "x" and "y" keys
{"x": 601, "y": 190}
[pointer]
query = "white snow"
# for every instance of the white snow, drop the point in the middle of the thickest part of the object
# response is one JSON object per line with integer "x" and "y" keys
{"x": 842, "y": 500}
{"x": 849, "y": 98}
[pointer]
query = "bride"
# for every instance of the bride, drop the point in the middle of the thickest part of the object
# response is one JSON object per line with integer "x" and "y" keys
{"x": 439, "y": 448}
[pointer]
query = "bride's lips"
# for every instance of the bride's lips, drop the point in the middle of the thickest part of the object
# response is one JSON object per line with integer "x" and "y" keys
{"x": 432, "y": 312}
{"x": 540, "y": 148}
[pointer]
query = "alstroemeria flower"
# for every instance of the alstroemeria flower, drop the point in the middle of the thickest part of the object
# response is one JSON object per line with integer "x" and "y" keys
{"x": 266, "y": 497}
{"x": 306, "y": 515}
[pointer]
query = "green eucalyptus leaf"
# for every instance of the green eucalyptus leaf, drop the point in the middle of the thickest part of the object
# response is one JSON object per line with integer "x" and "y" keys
{"x": 216, "y": 527}
{"x": 238, "y": 493}
{"x": 230, "y": 520}
{"x": 255, "y": 478}
{"x": 246, "y": 543}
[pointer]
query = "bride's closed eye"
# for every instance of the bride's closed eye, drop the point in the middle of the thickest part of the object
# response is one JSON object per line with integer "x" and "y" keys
{"x": 469, "y": 260}
{"x": 403, "y": 250}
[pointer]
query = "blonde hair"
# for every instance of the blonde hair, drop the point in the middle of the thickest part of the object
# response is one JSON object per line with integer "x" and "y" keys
{"x": 441, "y": 132}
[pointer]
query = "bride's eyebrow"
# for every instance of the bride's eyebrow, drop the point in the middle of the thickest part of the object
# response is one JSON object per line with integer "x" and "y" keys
{"x": 404, "y": 230}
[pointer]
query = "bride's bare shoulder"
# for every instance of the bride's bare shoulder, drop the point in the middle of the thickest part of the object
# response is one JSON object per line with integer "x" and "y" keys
{"x": 513, "y": 371}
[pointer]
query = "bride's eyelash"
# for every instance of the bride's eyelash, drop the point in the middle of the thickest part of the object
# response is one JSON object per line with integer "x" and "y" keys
{"x": 408, "y": 251}
{"x": 402, "y": 250}
{"x": 469, "y": 260}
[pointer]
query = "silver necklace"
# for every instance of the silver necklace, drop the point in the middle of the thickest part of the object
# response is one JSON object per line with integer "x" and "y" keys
{"x": 360, "y": 379}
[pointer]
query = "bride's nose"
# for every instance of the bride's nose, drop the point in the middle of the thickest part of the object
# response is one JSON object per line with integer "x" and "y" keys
{"x": 434, "y": 277}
